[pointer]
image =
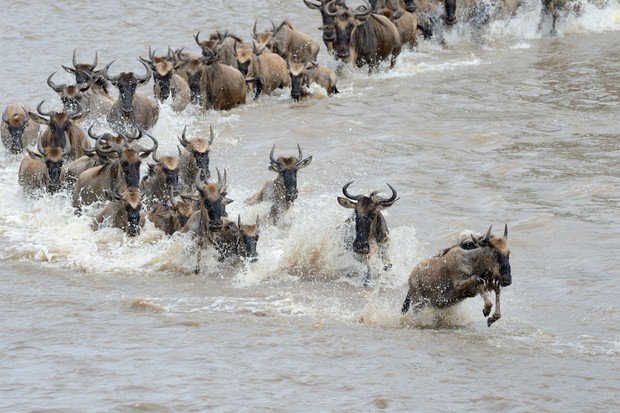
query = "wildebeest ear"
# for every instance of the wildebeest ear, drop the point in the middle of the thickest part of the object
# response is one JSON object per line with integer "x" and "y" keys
{"x": 69, "y": 69}
{"x": 305, "y": 162}
{"x": 227, "y": 201}
{"x": 344, "y": 202}
{"x": 38, "y": 119}
{"x": 274, "y": 169}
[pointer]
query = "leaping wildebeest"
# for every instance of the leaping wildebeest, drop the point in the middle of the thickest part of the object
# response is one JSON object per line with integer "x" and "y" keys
{"x": 282, "y": 191}
{"x": 463, "y": 271}
{"x": 166, "y": 83}
{"x": 268, "y": 70}
{"x": 43, "y": 170}
{"x": 363, "y": 37}
{"x": 371, "y": 230}
{"x": 18, "y": 130}
{"x": 62, "y": 129}
{"x": 305, "y": 74}
{"x": 131, "y": 110}
{"x": 237, "y": 240}
{"x": 97, "y": 98}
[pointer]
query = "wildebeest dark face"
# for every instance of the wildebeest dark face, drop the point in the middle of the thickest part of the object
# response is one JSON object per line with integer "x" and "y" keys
{"x": 214, "y": 199}
{"x": 450, "y": 6}
{"x": 133, "y": 220}
{"x": 344, "y": 26}
{"x": 296, "y": 73}
{"x": 53, "y": 157}
{"x": 367, "y": 215}
{"x": 209, "y": 56}
{"x": 194, "y": 74}
{"x": 504, "y": 269}
{"x": 16, "y": 133}
{"x": 329, "y": 33}
{"x": 127, "y": 85}
{"x": 410, "y": 6}
{"x": 287, "y": 168}
{"x": 164, "y": 84}
{"x": 499, "y": 255}
{"x": 202, "y": 162}
{"x": 199, "y": 148}
{"x": 247, "y": 240}
{"x": 54, "y": 170}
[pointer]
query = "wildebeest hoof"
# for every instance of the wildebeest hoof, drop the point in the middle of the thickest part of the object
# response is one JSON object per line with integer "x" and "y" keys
{"x": 486, "y": 311}
{"x": 491, "y": 320}
{"x": 196, "y": 271}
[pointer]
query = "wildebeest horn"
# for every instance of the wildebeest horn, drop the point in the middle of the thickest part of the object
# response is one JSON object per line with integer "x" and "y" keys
{"x": 53, "y": 85}
{"x": 363, "y": 11}
{"x": 328, "y": 7}
{"x": 147, "y": 152}
{"x": 212, "y": 134}
{"x": 92, "y": 134}
{"x": 104, "y": 73}
{"x": 389, "y": 201}
{"x": 183, "y": 139}
{"x": 87, "y": 151}
{"x": 75, "y": 63}
{"x": 301, "y": 155}
{"x": 221, "y": 181}
{"x": 487, "y": 236}
{"x": 169, "y": 55}
{"x": 40, "y": 147}
{"x": 505, "y": 231}
{"x": 271, "y": 158}
{"x": 40, "y": 109}
{"x": 275, "y": 29}
{"x": 239, "y": 220}
{"x": 77, "y": 113}
{"x": 198, "y": 183}
{"x": 133, "y": 138}
{"x": 179, "y": 55}
{"x": 67, "y": 149}
{"x": 257, "y": 221}
{"x": 147, "y": 75}
{"x": 154, "y": 155}
{"x": 151, "y": 54}
{"x": 348, "y": 195}
{"x": 196, "y": 37}
{"x": 94, "y": 65}
{"x": 5, "y": 115}
{"x": 254, "y": 33}
{"x": 179, "y": 150}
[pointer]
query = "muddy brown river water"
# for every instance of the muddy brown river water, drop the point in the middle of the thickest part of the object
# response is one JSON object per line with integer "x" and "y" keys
{"x": 507, "y": 126}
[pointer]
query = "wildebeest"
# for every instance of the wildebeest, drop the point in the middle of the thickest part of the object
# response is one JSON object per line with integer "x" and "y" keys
{"x": 97, "y": 98}
{"x": 166, "y": 83}
{"x": 62, "y": 129}
{"x": 371, "y": 231}
{"x": 173, "y": 216}
{"x": 364, "y": 38}
{"x": 43, "y": 170}
{"x": 190, "y": 69}
{"x": 291, "y": 44}
{"x": 305, "y": 74}
{"x": 406, "y": 22}
{"x": 237, "y": 240}
{"x": 162, "y": 178}
{"x": 268, "y": 70}
{"x": 121, "y": 172}
{"x": 195, "y": 158}
{"x": 478, "y": 12}
{"x": 222, "y": 87}
{"x": 123, "y": 211}
{"x": 92, "y": 157}
{"x": 555, "y": 9}
{"x": 18, "y": 131}
{"x": 132, "y": 110}
{"x": 224, "y": 44}
{"x": 377, "y": 5}
{"x": 282, "y": 191}
{"x": 210, "y": 217}
{"x": 329, "y": 32}
{"x": 461, "y": 272}
{"x": 70, "y": 95}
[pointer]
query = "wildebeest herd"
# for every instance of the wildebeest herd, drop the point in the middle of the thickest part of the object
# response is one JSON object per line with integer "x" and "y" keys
{"x": 179, "y": 194}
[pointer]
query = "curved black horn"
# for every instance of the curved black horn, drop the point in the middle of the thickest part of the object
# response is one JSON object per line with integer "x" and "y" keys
{"x": 505, "y": 231}
{"x": 328, "y": 7}
{"x": 254, "y": 33}
{"x": 363, "y": 11}
{"x": 348, "y": 195}
{"x": 87, "y": 151}
{"x": 75, "y": 63}
{"x": 151, "y": 54}
{"x": 389, "y": 201}
{"x": 94, "y": 65}
{"x": 104, "y": 73}
{"x": 212, "y": 134}
{"x": 40, "y": 109}
{"x": 153, "y": 149}
{"x": 301, "y": 155}
{"x": 53, "y": 85}
{"x": 154, "y": 155}
{"x": 40, "y": 147}
{"x": 275, "y": 29}
{"x": 487, "y": 235}
{"x": 196, "y": 37}
{"x": 92, "y": 134}
{"x": 147, "y": 75}
{"x": 271, "y": 158}
{"x": 312, "y": 5}
{"x": 183, "y": 138}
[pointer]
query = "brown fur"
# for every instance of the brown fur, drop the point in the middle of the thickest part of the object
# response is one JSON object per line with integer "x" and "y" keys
{"x": 271, "y": 69}
{"x": 34, "y": 169}
{"x": 172, "y": 218}
{"x": 322, "y": 75}
{"x": 114, "y": 214}
{"x": 16, "y": 116}
{"x": 69, "y": 131}
{"x": 179, "y": 88}
{"x": 293, "y": 45}
{"x": 222, "y": 87}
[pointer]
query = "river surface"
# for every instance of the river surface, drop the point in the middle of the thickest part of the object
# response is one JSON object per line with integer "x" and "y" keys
{"x": 506, "y": 126}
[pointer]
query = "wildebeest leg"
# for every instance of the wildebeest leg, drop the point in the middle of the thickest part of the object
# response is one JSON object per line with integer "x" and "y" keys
{"x": 367, "y": 274}
{"x": 383, "y": 249}
{"x": 487, "y": 301}
{"x": 498, "y": 313}
{"x": 198, "y": 256}
{"x": 468, "y": 282}
{"x": 406, "y": 304}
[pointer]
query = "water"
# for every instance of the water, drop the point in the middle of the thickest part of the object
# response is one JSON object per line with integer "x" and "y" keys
{"x": 503, "y": 126}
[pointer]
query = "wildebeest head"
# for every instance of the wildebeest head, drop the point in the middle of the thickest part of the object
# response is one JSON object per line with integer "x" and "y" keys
{"x": 169, "y": 167}
{"x": 163, "y": 69}
{"x": 263, "y": 38}
{"x": 296, "y": 72}
{"x": 127, "y": 84}
{"x": 287, "y": 168}
{"x": 16, "y": 119}
{"x": 193, "y": 69}
{"x": 213, "y": 199}
{"x": 70, "y": 95}
{"x": 499, "y": 255}
{"x": 83, "y": 72}
{"x": 368, "y": 215}
{"x": 53, "y": 157}
{"x": 450, "y": 6}
{"x": 130, "y": 201}
{"x": 248, "y": 239}
{"x": 58, "y": 122}
{"x": 209, "y": 50}
{"x": 345, "y": 21}
{"x": 182, "y": 209}
{"x": 326, "y": 9}
{"x": 410, "y": 6}
{"x": 199, "y": 148}
{"x": 104, "y": 144}
{"x": 130, "y": 156}
{"x": 244, "y": 58}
